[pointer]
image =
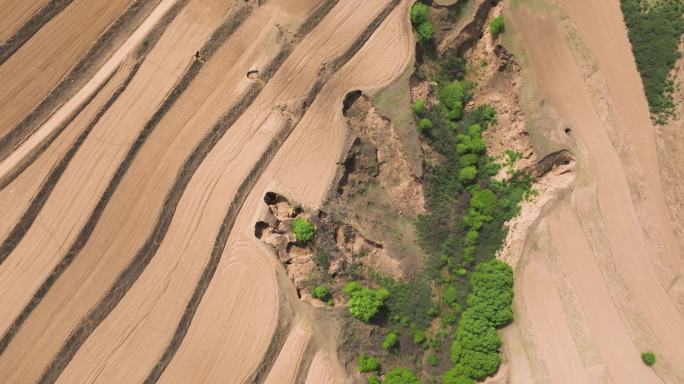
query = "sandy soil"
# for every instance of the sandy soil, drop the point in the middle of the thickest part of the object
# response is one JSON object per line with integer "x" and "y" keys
{"x": 288, "y": 362}
{"x": 15, "y": 13}
{"x": 612, "y": 255}
{"x": 73, "y": 104}
{"x": 322, "y": 372}
{"x": 51, "y": 52}
{"x": 78, "y": 190}
{"x": 18, "y": 194}
{"x": 161, "y": 293}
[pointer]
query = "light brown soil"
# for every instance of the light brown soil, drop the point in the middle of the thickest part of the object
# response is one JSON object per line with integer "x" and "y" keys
{"x": 51, "y": 53}
{"x": 15, "y": 13}
{"x": 78, "y": 190}
{"x": 48, "y": 128}
{"x": 612, "y": 234}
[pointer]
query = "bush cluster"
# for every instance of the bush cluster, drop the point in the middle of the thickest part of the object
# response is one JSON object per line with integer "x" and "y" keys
{"x": 655, "y": 33}
{"x": 475, "y": 347}
{"x": 303, "y": 229}
{"x": 321, "y": 292}
{"x": 496, "y": 26}
{"x": 420, "y": 18}
{"x": 365, "y": 303}
{"x": 368, "y": 363}
{"x": 401, "y": 376}
{"x": 390, "y": 340}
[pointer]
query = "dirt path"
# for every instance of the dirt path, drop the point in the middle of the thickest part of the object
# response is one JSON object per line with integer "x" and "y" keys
{"x": 36, "y": 68}
{"x": 83, "y": 182}
{"x": 623, "y": 296}
{"x": 134, "y": 209}
{"x": 95, "y": 83}
{"x": 16, "y": 13}
{"x": 122, "y": 345}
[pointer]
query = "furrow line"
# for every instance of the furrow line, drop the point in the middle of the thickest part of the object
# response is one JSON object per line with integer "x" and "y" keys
{"x": 80, "y": 334}
{"x": 39, "y": 201}
{"x": 27, "y": 219}
{"x": 32, "y": 25}
{"x": 82, "y": 71}
{"x": 246, "y": 186}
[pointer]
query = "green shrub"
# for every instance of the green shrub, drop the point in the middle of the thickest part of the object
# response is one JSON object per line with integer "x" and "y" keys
{"x": 364, "y": 303}
{"x": 648, "y": 358}
{"x": 401, "y": 376}
{"x": 419, "y": 107}
{"x": 425, "y": 32}
{"x": 372, "y": 379}
{"x": 424, "y": 125}
{"x": 303, "y": 229}
{"x": 419, "y": 337}
{"x": 496, "y": 26}
{"x": 419, "y": 13}
{"x": 655, "y": 34}
{"x": 368, "y": 363}
{"x": 450, "y": 295}
{"x": 322, "y": 259}
{"x": 467, "y": 175}
{"x": 390, "y": 340}
{"x": 321, "y": 292}
{"x": 432, "y": 359}
{"x": 451, "y": 377}
{"x": 451, "y": 93}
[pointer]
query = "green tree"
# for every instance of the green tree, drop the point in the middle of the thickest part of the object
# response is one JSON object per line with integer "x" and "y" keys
{"x": 451, "y": 377}
{"x": 419, "y": 13}
{"x": 401, "y": 376}
{"x": 424, "y": 125}
{"x": 648, "y": 358}
{"x": 419, "y": 106}
{"x": 364, "y": 303}
{"x": 320, "y": 292}
{"x": 425, "y": 32}
{"x": 303, "y": 229}
{"x": 390, "y": 340}
{"x": 432, "y": 359}
{"x": 372, "y": 379}
{"x": 467, "y": 175}
{"x": 496, "y": 26}
{"x": 368, "y": 363}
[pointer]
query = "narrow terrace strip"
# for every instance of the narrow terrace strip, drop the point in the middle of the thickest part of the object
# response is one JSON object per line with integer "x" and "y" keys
{"x": 222, "y": 33}
{"x": 131, "y": 273}
{"x": 32, "y": 25}
{"x": 40, "y": 199}
{"x": 27, "y": 219}
{"x": 245, "y": 188}
{"x": 83, "y": 70}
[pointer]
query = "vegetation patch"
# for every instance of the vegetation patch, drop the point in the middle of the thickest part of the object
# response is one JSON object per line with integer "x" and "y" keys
{"x": 303, "y": 229}
{"x": 655, "y": 30}
{"x": 648, "y": 358}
